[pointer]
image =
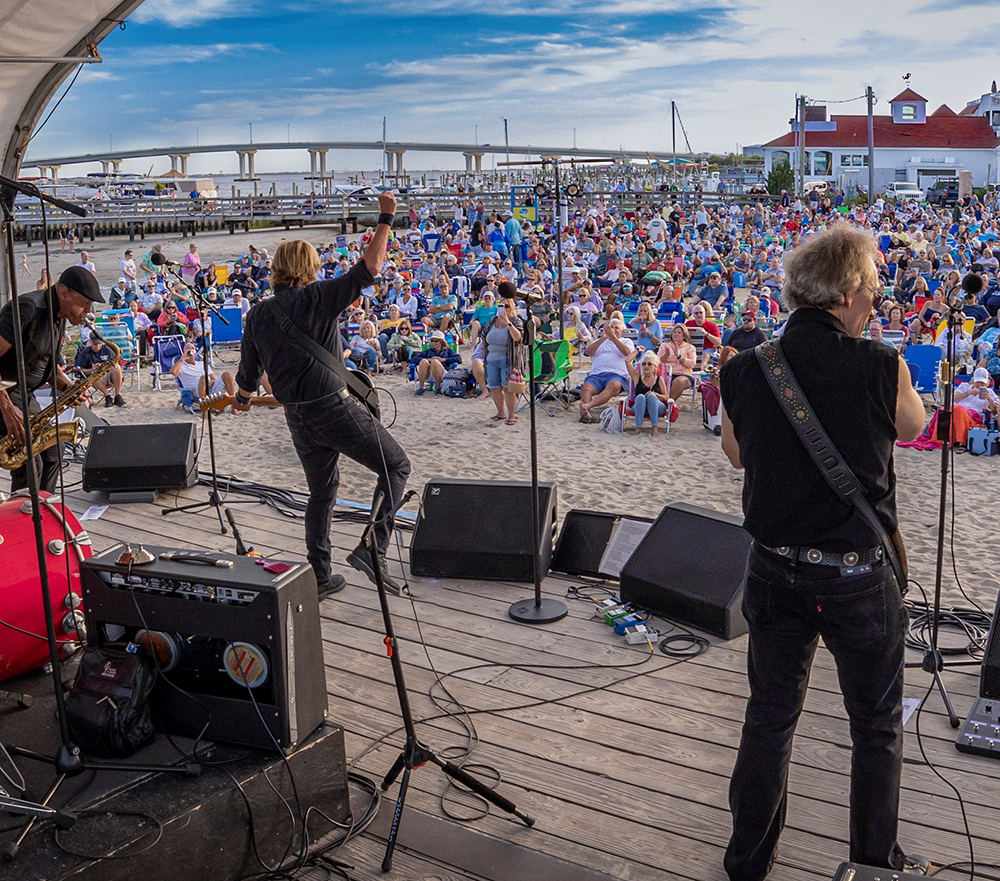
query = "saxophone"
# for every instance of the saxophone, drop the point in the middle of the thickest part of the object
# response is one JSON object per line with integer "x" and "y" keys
{"x": 45, "y": 427}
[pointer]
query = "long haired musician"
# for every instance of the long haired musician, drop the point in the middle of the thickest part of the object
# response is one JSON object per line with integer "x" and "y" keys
{"x": 323, "y": 419}
{"x": 44, "y": 315}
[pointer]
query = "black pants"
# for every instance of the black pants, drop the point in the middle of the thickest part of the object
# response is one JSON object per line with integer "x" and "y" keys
{"x": 321, "y": 431}
{"x": 863, "y": 623}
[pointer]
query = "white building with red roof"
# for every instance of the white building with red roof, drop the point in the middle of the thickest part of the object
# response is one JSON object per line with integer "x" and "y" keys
{"x": 910, "y": 144}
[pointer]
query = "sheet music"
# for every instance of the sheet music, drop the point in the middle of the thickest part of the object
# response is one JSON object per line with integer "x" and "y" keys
{"x": 625, "y": 538}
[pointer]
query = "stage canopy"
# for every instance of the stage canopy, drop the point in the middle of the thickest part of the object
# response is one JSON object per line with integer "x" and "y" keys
{"x": 51, "y": 34}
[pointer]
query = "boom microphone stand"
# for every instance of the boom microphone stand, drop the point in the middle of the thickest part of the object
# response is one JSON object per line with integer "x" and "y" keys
{"x": 68, "y": 762}
{"x": 933, "y": 661}
{"x": 204, "y": 307}
{"x": 414, "y": 753}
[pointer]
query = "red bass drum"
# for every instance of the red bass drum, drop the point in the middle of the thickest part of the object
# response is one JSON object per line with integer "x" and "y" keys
{"x": 66, "y": 545}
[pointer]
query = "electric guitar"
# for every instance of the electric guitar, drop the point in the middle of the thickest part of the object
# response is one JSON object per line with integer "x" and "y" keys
{"x": 359, "y": 385}
{"x": 220, "y": 400}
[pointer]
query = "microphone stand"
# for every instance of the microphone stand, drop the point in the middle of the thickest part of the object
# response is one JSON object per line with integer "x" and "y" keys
{"x": 538, "y": 610}
{"x": 68, "y": 761}
{"x": 933, "y": 661}
{"x": 414, "y": 753}
{"x": 214, "y": 499}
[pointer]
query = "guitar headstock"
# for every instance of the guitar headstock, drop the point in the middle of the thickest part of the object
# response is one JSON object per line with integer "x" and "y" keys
{"x": 219, "y": 401}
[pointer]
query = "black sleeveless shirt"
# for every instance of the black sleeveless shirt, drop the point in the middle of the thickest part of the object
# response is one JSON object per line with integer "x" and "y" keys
{"x": 851, "y": 384}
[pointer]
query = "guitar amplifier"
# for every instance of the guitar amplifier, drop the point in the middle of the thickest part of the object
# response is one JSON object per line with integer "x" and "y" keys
{"x": 238, "y": 648}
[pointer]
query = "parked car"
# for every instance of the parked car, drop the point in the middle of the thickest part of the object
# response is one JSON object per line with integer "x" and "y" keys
{"x": 944, "y": 192}
{"x": 903, "y": 191}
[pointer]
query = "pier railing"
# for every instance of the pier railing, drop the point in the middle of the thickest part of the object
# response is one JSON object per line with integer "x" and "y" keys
{"x": 189, "y": 216}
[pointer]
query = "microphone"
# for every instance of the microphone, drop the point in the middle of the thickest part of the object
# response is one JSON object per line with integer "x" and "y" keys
{"x": 972, "y": 283}
{"x": 157, "y": 259}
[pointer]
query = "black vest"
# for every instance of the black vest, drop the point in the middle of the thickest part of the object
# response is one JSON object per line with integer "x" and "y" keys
{"x": 851, "y": 384}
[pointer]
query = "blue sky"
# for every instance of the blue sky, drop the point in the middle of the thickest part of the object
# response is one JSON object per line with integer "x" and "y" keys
{"x": 205, "y": 70}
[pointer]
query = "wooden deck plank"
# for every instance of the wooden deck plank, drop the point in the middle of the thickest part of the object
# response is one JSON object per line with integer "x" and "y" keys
{"x": 630, "y": 779}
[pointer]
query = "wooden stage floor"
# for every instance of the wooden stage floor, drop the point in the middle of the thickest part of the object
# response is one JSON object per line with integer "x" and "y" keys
{"x": 622, "y": 757}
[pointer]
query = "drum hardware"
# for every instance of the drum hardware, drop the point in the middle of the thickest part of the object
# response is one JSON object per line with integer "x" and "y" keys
{"x": 22, "y": 700}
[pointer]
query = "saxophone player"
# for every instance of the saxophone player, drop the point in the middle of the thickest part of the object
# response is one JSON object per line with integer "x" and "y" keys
{"x": 44, "y": 315}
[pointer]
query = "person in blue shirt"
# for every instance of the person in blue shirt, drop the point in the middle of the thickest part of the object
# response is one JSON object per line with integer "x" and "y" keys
{"x": 485, "y": 312}
{"x": 434, "y": 362}
{"x": 442, "y": 307}
{"x": 512, "y": 229}
{"x": 363, "y": 351}
{"x": 648, "y": 328}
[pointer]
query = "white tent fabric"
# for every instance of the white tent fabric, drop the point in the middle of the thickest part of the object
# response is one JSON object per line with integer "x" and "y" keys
{"x": 51, "y": 30}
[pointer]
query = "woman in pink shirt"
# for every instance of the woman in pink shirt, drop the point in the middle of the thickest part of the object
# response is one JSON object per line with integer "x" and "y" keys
{"x": 192, "y": 263}
{"x": 681, "y": 355}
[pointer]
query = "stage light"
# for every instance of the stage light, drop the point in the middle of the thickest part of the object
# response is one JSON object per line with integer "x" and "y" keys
{"x": 573, "y": 190}
{"x": 542, "y": 191}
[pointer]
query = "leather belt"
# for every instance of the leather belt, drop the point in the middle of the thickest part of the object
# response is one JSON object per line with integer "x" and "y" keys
{"x": 846, "y": 559}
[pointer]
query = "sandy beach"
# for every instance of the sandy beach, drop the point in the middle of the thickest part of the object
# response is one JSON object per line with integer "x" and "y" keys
{"x": 593, "y": 470}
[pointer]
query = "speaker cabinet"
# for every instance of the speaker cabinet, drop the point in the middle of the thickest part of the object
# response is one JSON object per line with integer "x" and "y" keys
{"x": 584, "y": 539}
{"x": 989, "y": 681}
{"x": 124, "y": 458}
{"x": 690, "y": 568}
{"x": 481, "y": 529}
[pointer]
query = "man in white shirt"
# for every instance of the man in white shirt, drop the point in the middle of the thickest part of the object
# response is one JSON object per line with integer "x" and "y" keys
{"x": 191, "y": 374}
{"x": 86, "y": 263}
{"x": 608, "y": 372}
{"x": 127, "y": 268}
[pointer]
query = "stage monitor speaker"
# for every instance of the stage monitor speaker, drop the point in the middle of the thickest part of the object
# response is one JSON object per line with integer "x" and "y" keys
{"x": 481, "y": 529}
{"x": 127, "y": 458}
{"x": 584, "y": 539}
{"x": 989, "y": 680}
{"x": 238, "y": 648}
{"x": 690, "y": 568}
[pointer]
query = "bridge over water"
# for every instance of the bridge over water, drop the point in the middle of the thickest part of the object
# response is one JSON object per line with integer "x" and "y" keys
{"x": 317, "y": 150}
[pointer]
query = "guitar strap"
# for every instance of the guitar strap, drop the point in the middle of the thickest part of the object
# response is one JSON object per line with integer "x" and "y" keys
{"x": 365, "y": 393}
{"x": 817, "y": 442}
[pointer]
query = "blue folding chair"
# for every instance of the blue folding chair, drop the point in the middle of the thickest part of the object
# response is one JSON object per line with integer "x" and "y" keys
{"x": 167, "y": 351}
{"x": 926, "y": 359}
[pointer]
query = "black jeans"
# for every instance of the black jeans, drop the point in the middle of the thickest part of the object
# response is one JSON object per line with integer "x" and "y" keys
{"x": 863, "y": 623}
{"x": 321, "y": 431}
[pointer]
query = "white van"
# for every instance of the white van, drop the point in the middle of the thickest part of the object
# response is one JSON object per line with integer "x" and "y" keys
{"x": 903, "y": 191}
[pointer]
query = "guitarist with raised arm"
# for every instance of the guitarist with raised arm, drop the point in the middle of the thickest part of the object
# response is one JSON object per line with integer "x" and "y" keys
{"x": 323, "y": 418}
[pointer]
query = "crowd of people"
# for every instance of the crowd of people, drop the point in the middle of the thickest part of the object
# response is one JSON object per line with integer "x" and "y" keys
{"x": 677, "y": 289}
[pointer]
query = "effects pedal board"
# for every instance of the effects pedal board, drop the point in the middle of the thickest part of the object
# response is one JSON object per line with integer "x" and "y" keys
{"x": 857, "y": 872}
{"x": 981, "y": 731}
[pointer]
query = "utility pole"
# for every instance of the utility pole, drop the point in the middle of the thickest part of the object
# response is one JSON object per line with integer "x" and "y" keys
{"x": 802, "y": 145}
{"x": 506, "y": 143}
{"x": 673, "y": 140}
{"x": 871, "y": 147}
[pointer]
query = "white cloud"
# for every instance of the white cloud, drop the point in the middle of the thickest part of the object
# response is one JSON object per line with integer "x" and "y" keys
{"x": 181, "y": 54}
{"x": 182, "y": 13}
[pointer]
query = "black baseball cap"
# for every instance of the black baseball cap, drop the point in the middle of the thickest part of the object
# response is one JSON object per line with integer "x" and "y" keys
{"x": 81, "y": 280}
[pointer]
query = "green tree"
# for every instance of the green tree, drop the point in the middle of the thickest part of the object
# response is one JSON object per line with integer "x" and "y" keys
{"x": 780, "y": 177}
